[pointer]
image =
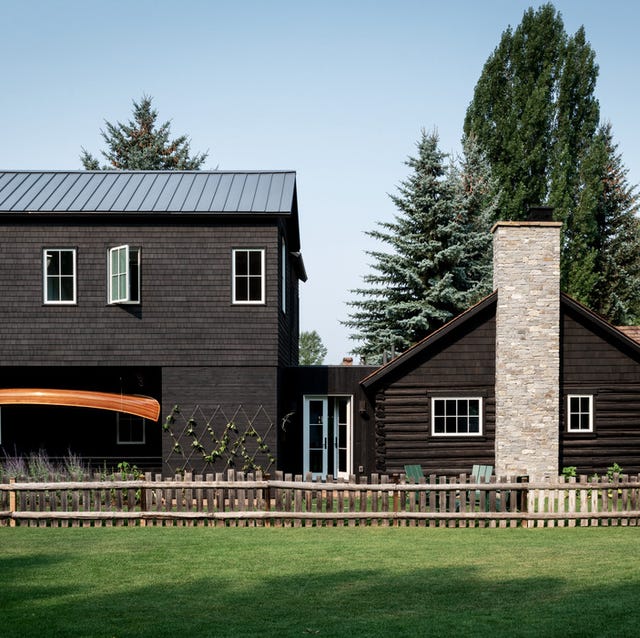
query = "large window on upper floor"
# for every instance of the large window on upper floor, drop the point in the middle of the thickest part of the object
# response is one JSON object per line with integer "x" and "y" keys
{"x": 580, "y": 413}
{"x": 248, "y": 277}
{"x": 124, "y": 274}
{"x": 456, "y": 416}
{"x": 59, "y": 267}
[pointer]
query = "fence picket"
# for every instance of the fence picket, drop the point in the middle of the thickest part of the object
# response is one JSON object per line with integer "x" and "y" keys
{"x": 238, "y": 499}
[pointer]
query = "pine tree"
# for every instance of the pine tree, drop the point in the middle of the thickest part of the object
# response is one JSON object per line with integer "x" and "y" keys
{"x": 141, "y": 145}
{"x": 427, "y": 275}
{"x": 615, "y": 241}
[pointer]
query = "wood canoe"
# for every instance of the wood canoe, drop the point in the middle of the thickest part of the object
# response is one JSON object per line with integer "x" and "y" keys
{"x": 145, "y": 407}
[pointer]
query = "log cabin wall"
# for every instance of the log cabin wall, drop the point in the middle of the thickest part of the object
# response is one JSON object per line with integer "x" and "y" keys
{"x": 461, "y": 364}
{"x": 595, "y": 362}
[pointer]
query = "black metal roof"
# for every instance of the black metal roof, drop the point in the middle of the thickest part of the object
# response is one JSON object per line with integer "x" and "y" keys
{"x": 147, "y": 191}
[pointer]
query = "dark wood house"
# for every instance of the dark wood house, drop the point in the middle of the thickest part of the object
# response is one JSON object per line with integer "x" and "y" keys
{"x": 181, "y": 286}
{"x": 436, "y": 405}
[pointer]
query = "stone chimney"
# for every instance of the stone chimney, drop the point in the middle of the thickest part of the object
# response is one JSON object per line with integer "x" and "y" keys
{"x": 526, "y": 274}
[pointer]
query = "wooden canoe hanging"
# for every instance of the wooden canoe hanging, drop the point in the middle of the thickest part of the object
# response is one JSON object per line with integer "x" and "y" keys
{"x": 145, "y": 407}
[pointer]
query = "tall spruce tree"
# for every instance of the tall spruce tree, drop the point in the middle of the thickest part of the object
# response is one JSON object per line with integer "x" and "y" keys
{"x": 611, "y": 243}
{"x": 427, "y": 275}
{"x": 142, "y": 145}
{"x": 534, "y": 115}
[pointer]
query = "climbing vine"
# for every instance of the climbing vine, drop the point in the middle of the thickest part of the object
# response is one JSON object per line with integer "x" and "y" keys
{"x": 231, "y": 447}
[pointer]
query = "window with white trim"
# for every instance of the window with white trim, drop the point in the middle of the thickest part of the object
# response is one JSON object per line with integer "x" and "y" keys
{"x": 130, "y": 429}
{"x": 283, "y": 280}
{"x": 456, "y": 416}
{"x": 59, "y": 266}
{"x": 124, "y": 274}
{"x": 580, "y": 413}
{"x": 248, "y": 276}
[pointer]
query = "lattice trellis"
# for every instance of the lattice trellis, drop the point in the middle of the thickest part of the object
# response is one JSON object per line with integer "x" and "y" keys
{"x": 221, "y": 441}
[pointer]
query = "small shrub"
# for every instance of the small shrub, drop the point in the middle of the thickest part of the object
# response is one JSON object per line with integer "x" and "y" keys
{"x": 570, "y": 471}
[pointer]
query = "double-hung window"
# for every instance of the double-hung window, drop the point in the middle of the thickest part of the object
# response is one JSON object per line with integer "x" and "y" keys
{"x": 456, "y": 416}
{"x": 59, "y": 275}
{"x": 248, "y": 281}
{"x": 124, "y": 274}
{"x": 580, "y": 413}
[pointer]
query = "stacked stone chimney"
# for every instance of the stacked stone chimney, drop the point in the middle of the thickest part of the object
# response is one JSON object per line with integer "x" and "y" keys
{"x": 526, "y": 274}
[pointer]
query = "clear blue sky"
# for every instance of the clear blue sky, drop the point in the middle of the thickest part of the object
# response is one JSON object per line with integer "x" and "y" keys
{"x": 336, "y": 90}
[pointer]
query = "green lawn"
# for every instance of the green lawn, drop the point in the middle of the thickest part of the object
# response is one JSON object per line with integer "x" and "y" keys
{"x": 120, "y": 582}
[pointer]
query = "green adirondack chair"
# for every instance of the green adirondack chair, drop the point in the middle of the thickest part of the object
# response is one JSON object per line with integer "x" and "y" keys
{"x": 481, "y": 474}
{"x": 414, "y": 474}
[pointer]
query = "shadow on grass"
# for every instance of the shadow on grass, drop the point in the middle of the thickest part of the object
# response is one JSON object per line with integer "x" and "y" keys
{"x": 339, "y": 602}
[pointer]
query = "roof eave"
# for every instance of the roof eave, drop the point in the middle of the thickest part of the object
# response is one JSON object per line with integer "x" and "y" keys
{"x": 428, "y": 341}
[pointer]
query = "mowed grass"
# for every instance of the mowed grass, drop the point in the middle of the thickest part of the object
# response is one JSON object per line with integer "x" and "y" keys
{"x": 120, "y": 582}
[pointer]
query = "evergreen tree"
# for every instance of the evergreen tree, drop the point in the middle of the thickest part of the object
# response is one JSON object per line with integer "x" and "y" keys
{"x": 479, "y": 201}
{"x": 312, "y": 350}
{"x": 428, "y": 274}
{"x": 534, "y": 113}
{"x": 610, "y": 239}
{"x": 141, "y": 145}
{"x": 535, "y": 117}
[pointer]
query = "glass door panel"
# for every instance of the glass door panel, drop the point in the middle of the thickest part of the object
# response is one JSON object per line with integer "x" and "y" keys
{"x": 315, "y": 436}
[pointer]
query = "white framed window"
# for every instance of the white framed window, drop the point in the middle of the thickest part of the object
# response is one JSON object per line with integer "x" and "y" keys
{"x": 124, "y": 274}
{"x": 283, "y": 278}
{"x": 130, "y": 429}
{"x": 580, "y": 413}
{"x": 248, "y": 280}
{"x": 456, "y": 416}
{"x": 59, "y": 272}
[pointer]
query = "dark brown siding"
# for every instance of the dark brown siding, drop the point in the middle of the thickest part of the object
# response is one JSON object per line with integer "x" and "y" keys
{"x": 215, "y": 396}
{"x": 595, "y": 363}
{"x": 185, "y": 315}
{"x": 460, "y": 364}
{"x": 289, "y": 327}
{"x": 327, "y": 380}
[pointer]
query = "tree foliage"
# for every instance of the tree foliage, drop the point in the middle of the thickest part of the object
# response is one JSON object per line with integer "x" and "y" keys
{"x": 431, "y": 269}
{"x": 533, "y": 112}
{"x": 536, "y": 119}
{"x": 141, "y": 144}
{"x": 311, "y": 350}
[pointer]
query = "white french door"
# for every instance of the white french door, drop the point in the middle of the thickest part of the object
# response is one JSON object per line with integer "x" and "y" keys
{"x": 327, "y": 436}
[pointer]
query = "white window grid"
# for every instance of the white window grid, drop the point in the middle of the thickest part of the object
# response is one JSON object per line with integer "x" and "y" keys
{"x": 457, "y": 412}
{"x": 60, "y": 277}
{"x": 579, "y": 413}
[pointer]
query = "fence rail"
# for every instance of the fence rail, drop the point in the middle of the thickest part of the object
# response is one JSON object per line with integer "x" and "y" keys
{"x": 235, "y": 499}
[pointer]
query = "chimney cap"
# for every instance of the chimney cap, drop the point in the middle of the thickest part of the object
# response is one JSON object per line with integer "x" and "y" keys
{"x": 540, "y": 214}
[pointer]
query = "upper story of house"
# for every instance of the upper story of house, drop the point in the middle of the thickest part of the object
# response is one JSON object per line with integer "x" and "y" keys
{"x": 149, "y": 268}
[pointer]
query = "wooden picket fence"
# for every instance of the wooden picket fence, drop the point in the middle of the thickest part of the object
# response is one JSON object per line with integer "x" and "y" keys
{"x": 236, "y": 499}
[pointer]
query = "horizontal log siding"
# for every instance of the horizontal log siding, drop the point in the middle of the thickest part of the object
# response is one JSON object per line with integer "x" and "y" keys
{"x": 185, "y": 314}
{"x": 463, "y": 365}
{"x": 592, "y": 363}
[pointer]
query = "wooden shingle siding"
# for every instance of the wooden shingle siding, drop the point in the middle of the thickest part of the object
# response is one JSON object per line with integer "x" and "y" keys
{"x": 212, "y": 393}
{"x": 185, "y": 312}
{"x": 594, "y": 363}
{"x": 463, "y": 360}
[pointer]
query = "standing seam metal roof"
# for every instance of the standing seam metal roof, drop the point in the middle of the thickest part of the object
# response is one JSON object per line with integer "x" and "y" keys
{"x": 147, "y": 191}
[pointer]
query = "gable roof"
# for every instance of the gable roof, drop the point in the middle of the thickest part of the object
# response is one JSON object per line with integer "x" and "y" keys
{"x": 429, "y": 340}
{"x": 622, "y": 336}
{"x": 221, "y": 192}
